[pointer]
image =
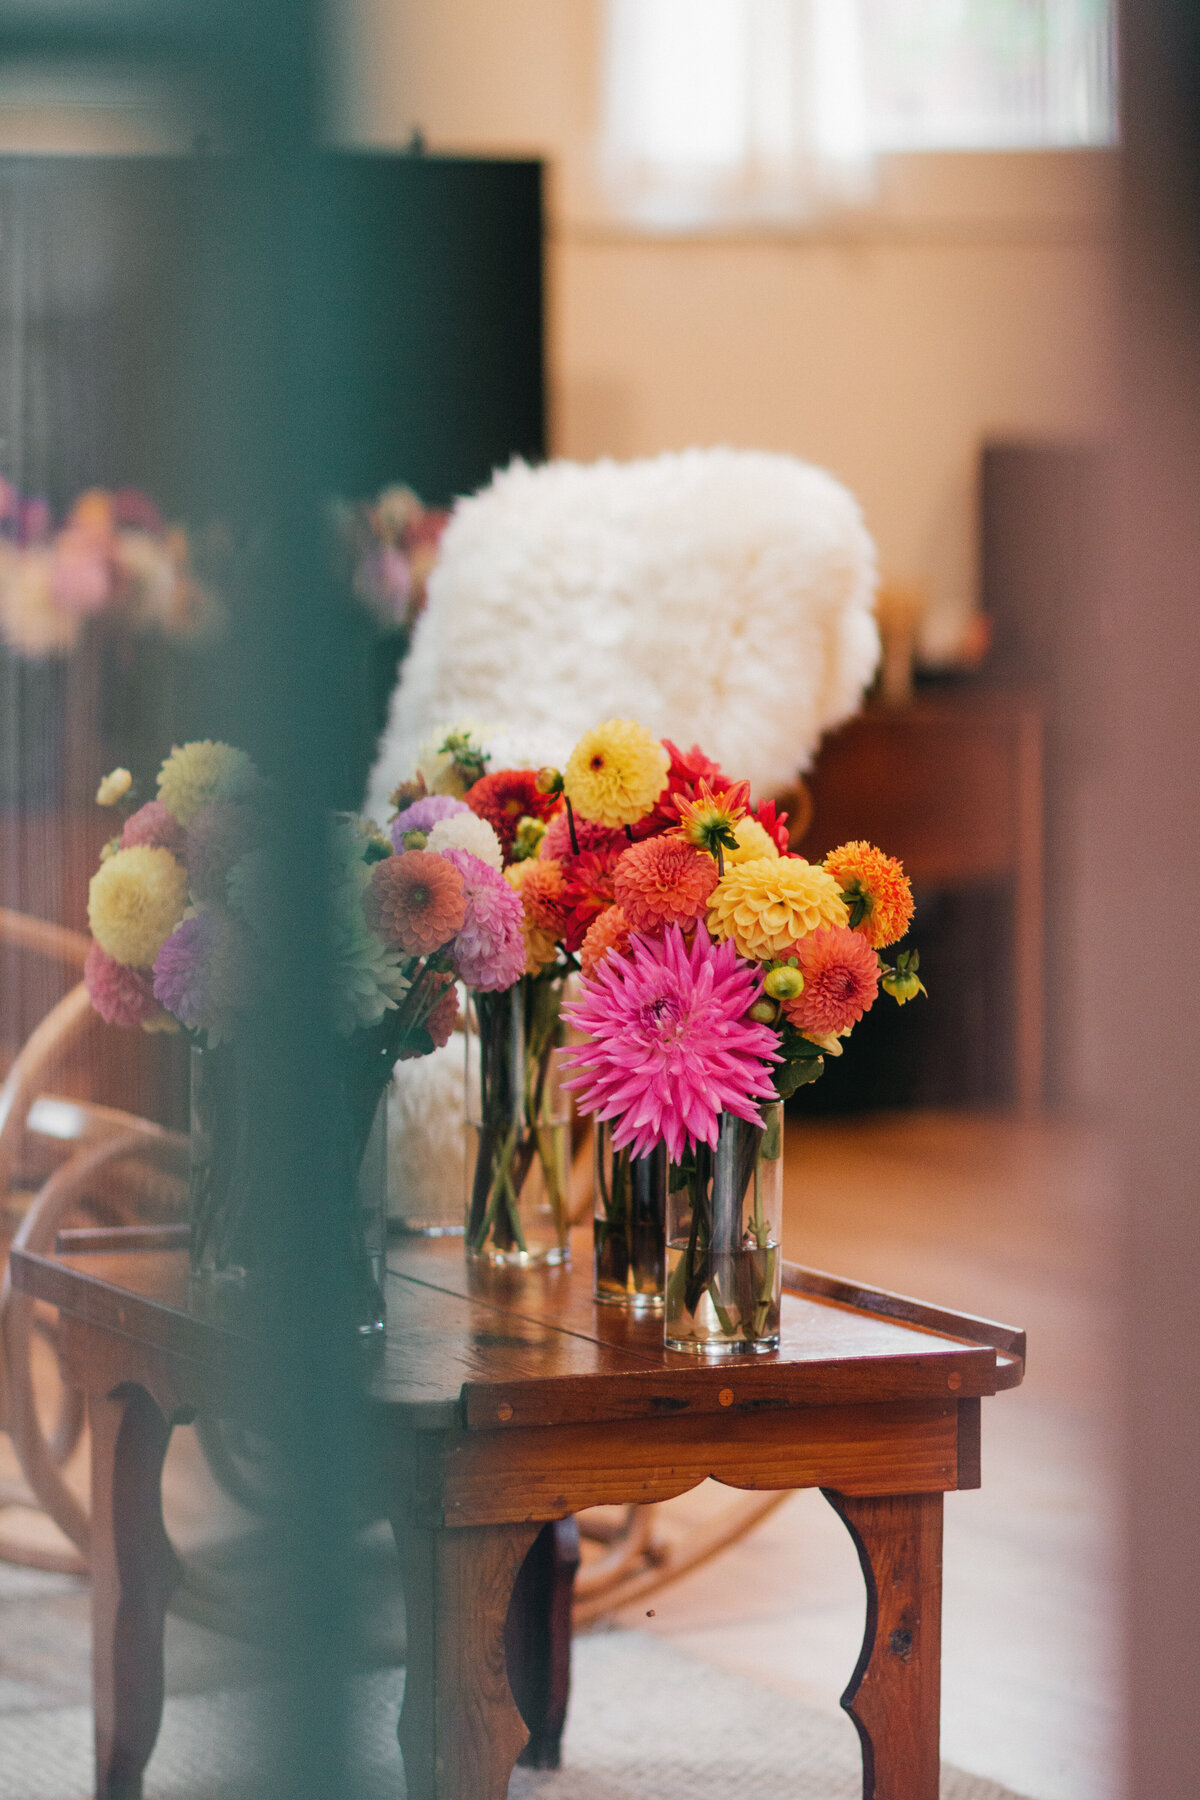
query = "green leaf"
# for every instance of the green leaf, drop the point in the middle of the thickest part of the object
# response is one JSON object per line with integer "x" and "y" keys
{"x": 792, "y": 1075}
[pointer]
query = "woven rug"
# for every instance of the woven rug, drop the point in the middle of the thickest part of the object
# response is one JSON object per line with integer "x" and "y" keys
{"x": 646, "y": 1723}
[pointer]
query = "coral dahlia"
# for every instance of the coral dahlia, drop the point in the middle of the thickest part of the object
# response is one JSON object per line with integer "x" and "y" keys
{"x": 841, "y": 981}
{"x": 875, "y": 889}
{"x": 767, "y": 904}
{"x": 416, "y": 902}
{"x": 507, "y": 797}
{"x": 663, "y": 881}
{"x": 670, "y": 1046}
{"x": 587, "y": 890}
{"x": 615, "y": 773}
{"x": 542, "y": 890}
{"x": 607, "y": 935}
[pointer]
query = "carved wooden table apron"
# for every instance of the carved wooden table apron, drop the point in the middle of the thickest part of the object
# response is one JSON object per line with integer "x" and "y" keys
{"x": 507, "y": 1400}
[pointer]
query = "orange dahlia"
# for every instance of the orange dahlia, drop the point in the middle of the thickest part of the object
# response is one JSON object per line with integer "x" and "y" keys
{"x": 542, "y": 887}
{"x": 841, "y": 980}
{"x": 710, "y": 819}
{"x": 507, "y": 797}
{"x": 416, "y": 902}
{"x": 876, "y": 891}
{"x": 607, "y": 934}
{"x": 663, "y": 881}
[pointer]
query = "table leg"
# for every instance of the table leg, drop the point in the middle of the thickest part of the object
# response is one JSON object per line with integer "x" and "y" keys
{"x": 460, "y": 1731}
{"x": 538, "y": 1640}
{"x": 894, "y": 1696}
{"x": 134, "y": 1570}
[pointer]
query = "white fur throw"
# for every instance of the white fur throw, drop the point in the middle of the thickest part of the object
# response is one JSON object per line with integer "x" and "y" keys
{"x": 717, "y": 596}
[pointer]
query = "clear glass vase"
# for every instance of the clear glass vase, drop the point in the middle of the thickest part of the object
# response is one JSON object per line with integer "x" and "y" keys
{"x": 629, "y": 1223}
{"x": 724, "y": 1264}
{"x": 518, "y": 1126}
{"x": 226, "y": 1277}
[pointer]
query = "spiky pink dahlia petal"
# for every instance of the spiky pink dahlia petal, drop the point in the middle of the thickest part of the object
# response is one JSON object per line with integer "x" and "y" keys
{"x": 669, "y": 1044}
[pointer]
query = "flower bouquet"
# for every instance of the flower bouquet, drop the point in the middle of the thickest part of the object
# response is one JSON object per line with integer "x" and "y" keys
{"x": 719, "y": 970}
{"x": 516, "y": 1200}
{"x": 180, "y": 915}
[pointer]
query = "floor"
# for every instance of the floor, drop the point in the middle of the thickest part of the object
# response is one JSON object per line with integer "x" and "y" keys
{"x": 1014, "y": 1222}
{"x": 986, "y": 1215}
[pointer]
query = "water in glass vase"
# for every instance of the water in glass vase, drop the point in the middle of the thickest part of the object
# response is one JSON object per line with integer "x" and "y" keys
{"x": 724, "y": 1263}
{"x": 629, "y": 1224}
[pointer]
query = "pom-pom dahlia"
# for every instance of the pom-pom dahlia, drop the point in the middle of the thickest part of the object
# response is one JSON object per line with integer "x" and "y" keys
{"x": 416, "y": 902}
{"x": 607, "y": 935}
{"x": 466, "y": 831}
{"x": 615, "y": 773}
{"x": 507, "y": 797}
{"x": 135, "y": 900}
{"x": 121, "y": 995}
{"x": 195, "y": 774}
{"x": 670, "y": 1046}
{"x": 663, "y": 881}
{"x": 489, "y": 950}
{"x": 877, "y": 891}
{"x": 202, "y": 973}
{"x": 154, "y": 826}
{"x": 841, "y": 980}
{"x": 767, "y": 904}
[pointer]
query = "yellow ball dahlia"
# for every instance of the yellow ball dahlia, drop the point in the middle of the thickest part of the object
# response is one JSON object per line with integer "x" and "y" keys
{"x": 615, "y": 773}
{"x": 768, "y": 904}
{"x": 754, "y": 842}
{"x": 136, "y": 899}
{"x": 196, "y": 774}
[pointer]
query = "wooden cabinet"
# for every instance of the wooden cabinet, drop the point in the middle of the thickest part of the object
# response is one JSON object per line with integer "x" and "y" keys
{"x": 952, "y": 785}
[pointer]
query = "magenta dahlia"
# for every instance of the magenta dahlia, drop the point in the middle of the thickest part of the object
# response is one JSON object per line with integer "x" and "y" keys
{"x": 121, "y": 995}
{"x": 670, "y": 1044}
{"x": 155, "y": 826}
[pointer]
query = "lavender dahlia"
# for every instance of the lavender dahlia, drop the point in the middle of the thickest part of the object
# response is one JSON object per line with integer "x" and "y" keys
{"x": 670, "y": 1044}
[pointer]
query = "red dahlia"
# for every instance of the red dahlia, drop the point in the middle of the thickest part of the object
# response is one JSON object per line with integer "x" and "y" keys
{"x": 505, "y": 798}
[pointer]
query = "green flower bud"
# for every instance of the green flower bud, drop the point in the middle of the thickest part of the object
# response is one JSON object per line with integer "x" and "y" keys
{"x": 764, "y": 1012}
{"x": 549, "y": 781}
{"x": 902, "y": 987}
{"x": 528, "y": 837}
{"x": 784, "y": 983}
{"x": 415, "y": 840}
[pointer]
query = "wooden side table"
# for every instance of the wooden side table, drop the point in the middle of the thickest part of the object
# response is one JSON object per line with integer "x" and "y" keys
{"x": 952, "y": 785}
{"x": 507, "y": 1400}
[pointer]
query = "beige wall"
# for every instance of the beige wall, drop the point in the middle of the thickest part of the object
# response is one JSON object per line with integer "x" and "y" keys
{"x": 973, "y": 301}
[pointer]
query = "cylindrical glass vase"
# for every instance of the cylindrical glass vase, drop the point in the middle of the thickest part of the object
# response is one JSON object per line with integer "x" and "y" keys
{"x": 518, "y": 1126}
{"x": 227, "y": 1276}
{"x": 724, "y": 1264}
{"x": 629, "y": 1223}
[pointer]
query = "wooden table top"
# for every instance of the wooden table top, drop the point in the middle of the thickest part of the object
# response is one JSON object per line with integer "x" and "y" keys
{"x": 492, "y": 1349}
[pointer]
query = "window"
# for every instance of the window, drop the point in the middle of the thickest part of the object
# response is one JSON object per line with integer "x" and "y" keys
{"x": 774, "y": 109}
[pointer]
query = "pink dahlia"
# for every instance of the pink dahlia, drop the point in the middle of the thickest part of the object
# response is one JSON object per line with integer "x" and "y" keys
{"x": 121, "y": 995}
{"x": 489, "y": 951}
{"x": 154, "y": 826}
{"x": 671, "y": 1046}
{"x": 841, "y": 980}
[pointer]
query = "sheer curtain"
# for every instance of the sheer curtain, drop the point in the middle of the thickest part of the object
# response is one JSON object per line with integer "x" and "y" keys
{"x": 734, "y": 109}
{"x": 753, "y": 111}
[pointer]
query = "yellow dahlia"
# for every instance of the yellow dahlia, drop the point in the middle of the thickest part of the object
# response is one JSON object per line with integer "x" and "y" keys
{"x": 754, "y": 842}
{"x": 135, "y": 901}
{"x": 876, "y": 891}
{"x": 768, "y": 904}
{"x": 615, "y": 773}
{"x": 196, "y": 774}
